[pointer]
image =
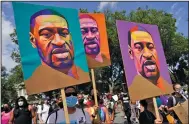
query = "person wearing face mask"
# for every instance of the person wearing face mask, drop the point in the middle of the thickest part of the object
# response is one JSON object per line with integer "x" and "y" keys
{"x": 80, "y": 103}
{"x": 22, "y": 113}
{"x": 76, "y": 115}
{"x": 5, "y": 115}
{"x": 175, "y": 99}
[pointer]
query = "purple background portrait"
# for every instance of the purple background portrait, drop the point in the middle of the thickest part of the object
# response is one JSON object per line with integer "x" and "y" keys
{"x": 123, "y": 27}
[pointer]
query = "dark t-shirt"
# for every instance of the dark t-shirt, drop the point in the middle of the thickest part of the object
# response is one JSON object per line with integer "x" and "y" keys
{"x": 22, "y": 116}
{"x": 146, "y": 117}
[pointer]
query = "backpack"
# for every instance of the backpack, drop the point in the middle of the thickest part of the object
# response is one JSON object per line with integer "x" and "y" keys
{"x": 174, "y": 99}
{"x": 56, "y": 115}
{"x": 50, "y": 109}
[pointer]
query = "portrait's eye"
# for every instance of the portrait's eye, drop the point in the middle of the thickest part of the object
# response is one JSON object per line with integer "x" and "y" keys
{"x": 94, "y": 30}
{"x": 64, "y": 32}
{"x": 84, "y": 31}
{"x": 138, "y": 47}
{"x": 150, "y": 46}
{"x": 46, "y": 34}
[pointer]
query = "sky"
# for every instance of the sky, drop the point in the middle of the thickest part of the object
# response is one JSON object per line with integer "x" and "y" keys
{"x": 178, "y": 9}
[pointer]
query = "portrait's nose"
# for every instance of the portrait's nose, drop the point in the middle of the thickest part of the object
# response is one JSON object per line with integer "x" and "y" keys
{"x": 90, "y": 35}
{"x": 147, "y": 53}
{"x": 58, "y": 41}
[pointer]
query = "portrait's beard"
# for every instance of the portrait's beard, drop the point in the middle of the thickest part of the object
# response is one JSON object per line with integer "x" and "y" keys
{"x": 62, "y": 56}
{"x": 150, "y": 71}
{"x": 91, "y": 46}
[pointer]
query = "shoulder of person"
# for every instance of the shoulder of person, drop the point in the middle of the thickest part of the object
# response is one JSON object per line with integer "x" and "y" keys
{"x": 57, "y": 113}
{"x": 2, "y": 113}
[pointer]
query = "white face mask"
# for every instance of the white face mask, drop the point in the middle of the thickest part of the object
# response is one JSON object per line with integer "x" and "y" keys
{"x": 20, "y": 103}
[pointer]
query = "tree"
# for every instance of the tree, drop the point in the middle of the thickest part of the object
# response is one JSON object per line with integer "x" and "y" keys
{"x": 8, "y": 91}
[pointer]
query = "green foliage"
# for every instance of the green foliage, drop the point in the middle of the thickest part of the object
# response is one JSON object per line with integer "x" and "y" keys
{"x": 16, "y": 75}
{"x": 15, "y": 53}
{"x": 8, "y": 91}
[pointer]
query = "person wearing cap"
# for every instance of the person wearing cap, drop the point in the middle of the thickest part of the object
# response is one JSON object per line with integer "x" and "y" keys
{"x": 76, "y": 115}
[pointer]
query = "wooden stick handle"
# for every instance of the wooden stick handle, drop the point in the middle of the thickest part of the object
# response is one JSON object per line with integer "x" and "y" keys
{"x": 156, "y": 108}
{"x": 65, "y": 106}
{"x": 94, "y": 87}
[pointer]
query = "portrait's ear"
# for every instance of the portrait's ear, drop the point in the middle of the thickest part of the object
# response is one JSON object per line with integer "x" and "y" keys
{"x": 32, "y": 40}
{"x": 130, "y": 52}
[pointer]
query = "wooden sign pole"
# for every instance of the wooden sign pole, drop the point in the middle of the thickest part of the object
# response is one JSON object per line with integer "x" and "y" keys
{"x": 94, "y": 87}
{"x": 65, "y": 106}
{"x": 156, "y": 108}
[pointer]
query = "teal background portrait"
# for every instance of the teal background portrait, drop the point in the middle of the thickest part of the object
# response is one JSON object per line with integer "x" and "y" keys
{"x": 30, "y": 58}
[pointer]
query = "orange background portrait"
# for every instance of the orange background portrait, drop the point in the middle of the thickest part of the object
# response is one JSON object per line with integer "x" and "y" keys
{"x": 104, "y": 47}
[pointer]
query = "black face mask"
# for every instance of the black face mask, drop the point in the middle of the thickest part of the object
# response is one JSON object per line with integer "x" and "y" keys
{"x": 81, "y": 101}
{"x": 101, "y": 101}
{"x": 6, "y": 109}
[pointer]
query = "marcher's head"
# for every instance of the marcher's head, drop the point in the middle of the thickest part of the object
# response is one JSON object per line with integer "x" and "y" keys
{"x": 90, "y": 34}
{"x": 176, "y": 87}
{"x": 49, "y": 33}
{"x": 21, "y": 102}
{"x": 6, "y": 108}
{"x": 45, "y": 101}
{"x": 60, "y": 104}
{"x": 143, "y": 105}
{"x": 71, "y": 96}
{"x": 119, "y": 101}
{"x": 109, "y": 96}
{"x": 80, "y": 98}
{"x": 143, "y": 51}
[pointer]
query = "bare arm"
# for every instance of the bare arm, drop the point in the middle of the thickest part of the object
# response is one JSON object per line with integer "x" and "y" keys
{"x": 11, "y": 117}
{"x": 33, "y": 116}
{"x": 108, "y": 120}
{"x": 112, "y": 117}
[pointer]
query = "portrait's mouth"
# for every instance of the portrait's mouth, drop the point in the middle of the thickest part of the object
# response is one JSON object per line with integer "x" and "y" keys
{"x": 61, "y": 53}
{"x": 91, "y": 45}
{"x": 150, "y": 65}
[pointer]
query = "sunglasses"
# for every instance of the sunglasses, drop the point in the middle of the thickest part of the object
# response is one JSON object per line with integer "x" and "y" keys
{"x": 71, "y": 94}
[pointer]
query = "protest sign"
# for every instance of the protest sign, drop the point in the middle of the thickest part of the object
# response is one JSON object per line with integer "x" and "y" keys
{"x": 144, "y": 60}
{"x": 51, "y": 47}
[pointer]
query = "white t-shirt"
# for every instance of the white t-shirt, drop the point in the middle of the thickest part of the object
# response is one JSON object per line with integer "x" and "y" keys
{"x": 76, "y": 118}
{"x": 44, "y": 112}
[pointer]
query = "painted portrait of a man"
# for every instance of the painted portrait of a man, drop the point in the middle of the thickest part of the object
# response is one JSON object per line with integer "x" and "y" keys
{"x": 52, "y": 51}
{"x": 142, "y": 54}
{"x": 49, "y": 34}
{"x": 93, "y": 41}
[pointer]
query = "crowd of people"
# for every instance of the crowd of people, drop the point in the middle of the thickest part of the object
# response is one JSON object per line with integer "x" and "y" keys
{"x": 111, "y": 109}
